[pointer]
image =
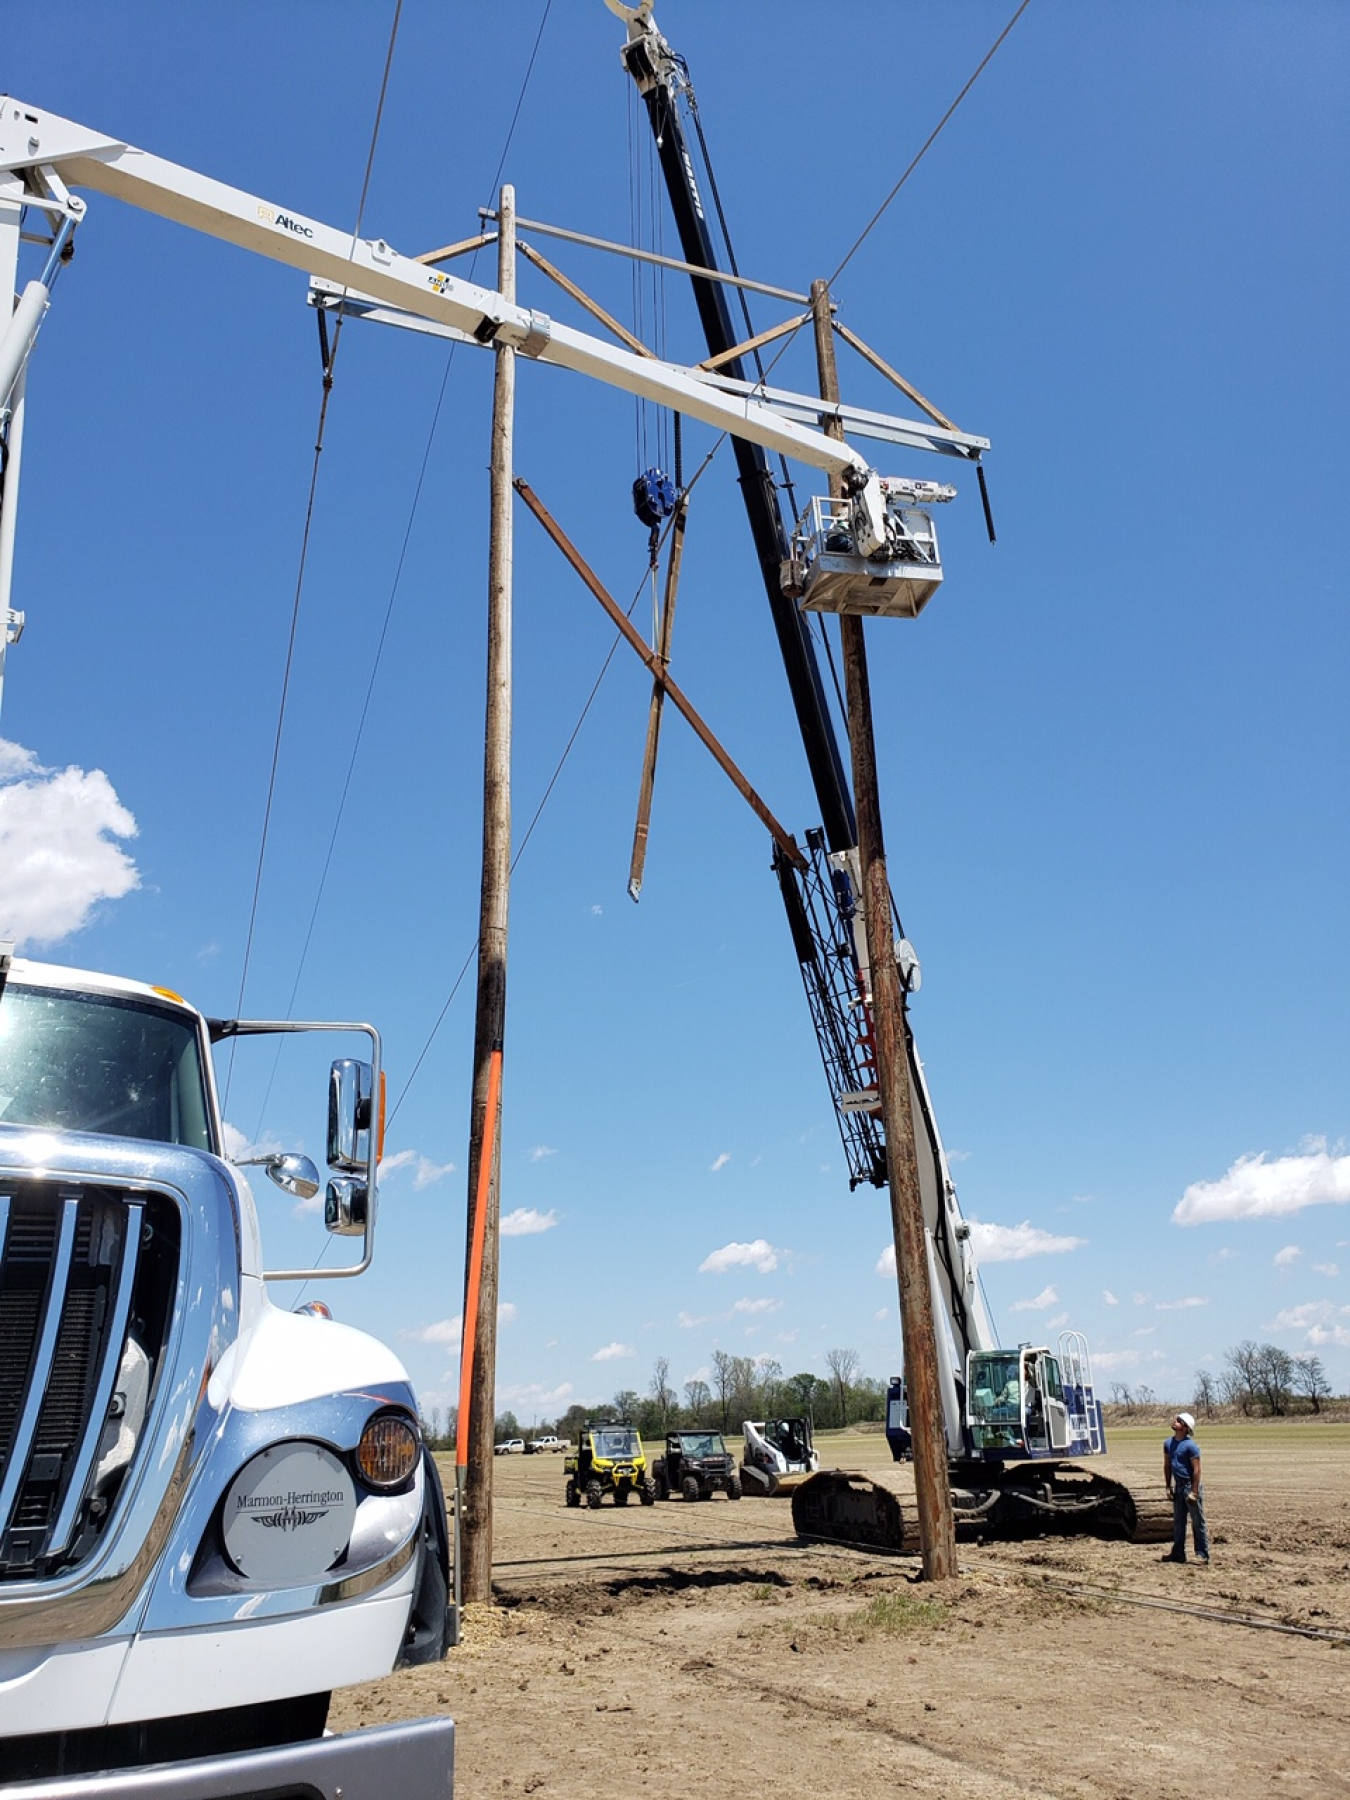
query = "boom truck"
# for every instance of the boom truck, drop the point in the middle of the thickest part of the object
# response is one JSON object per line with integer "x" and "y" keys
{"x": 213, "y": 1510}
{"x": 1012, "y": 1417}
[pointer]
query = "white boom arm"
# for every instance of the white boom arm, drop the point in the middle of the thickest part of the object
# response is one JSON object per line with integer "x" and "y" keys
{"x": 50, "y": 152}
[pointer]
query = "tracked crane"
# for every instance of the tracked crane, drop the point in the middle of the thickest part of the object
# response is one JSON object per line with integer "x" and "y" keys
{"x": 1013, "y": 1418}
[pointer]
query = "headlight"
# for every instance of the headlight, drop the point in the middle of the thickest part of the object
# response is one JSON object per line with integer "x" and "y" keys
{"x": 388, "y": 1451}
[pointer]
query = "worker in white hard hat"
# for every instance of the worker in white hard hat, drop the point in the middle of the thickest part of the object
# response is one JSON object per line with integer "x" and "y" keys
{"x": 1181, "y": 1472}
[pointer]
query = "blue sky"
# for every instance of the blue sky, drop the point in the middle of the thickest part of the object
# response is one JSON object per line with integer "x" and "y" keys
{"x": 1113, "y": 751}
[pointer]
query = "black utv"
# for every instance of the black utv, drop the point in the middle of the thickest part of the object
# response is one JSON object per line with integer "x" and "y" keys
{"x": 697, "y": 1465}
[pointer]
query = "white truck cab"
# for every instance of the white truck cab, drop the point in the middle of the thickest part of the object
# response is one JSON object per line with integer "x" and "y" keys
{"x": 213, "y": 1511}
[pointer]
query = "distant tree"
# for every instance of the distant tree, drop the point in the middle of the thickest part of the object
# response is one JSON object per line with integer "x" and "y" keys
{"x": 1310, "y": 1380}
{"x": 663, "y": 1394}
{"x": 1145, "y": 1395}
{"x": 1206, "y": 1393}
{"x": 869, "y": 1399}
{"x": 626, "y": 1404}
{"x": 1275, "y": 1378}
{"x": 697, "y": 1401}
{"x": 804, "y": 1392}
{"x": 733, "y": 1386}
{"x": 573, "y": 1422}
{"x": 769, "y": 1385}
{"x": 507, "y": 1426}
{"x": 745, "y": 1392}
{"x": 1240, "y": 1381}
{"x": 1122, "y": 1395}
{"x": 843, "y": 1366}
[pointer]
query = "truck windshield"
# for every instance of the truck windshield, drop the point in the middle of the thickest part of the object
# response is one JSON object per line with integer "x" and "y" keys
{"x": 91, "y": 1062}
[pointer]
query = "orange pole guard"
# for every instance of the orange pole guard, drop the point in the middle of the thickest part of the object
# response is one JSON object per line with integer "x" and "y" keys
{"x": 469, "y": 1333}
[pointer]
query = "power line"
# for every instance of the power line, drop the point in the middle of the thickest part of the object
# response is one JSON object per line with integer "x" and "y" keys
{"x": 304, "y": 547}
{"x": 929, "y": 141}
{"x": 359, "y": 735}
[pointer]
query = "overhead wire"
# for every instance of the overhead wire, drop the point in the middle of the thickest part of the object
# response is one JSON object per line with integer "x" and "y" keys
{"x": 362, "y": 721}
{"x": 304, "y": 554}
{"x": 763, "y": 370}
{"x": 928, "y": 142}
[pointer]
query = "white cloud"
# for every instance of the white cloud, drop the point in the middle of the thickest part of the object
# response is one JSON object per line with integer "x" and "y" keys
{"x": 1286, "y": 1258}
{"x": 886, "y": 1261}
{"x": 57, "y": 855}
{"x": 882, "y": 1312}
{"x": 1310, "y": 1313}
{"x": 238, "y": 1147}
{"x": 526, "y": 1221}
{"x": 1327, "y": 1268}
{"x": 1256, "y": 1189}
{"x": 614, "y": 1352}
{"x": 1045, "y": 1299}
{"x": 1321, "y": 1321}
{"x": 425, "y": 1172}
{"x": 1114, "y": 1359}
{"x": 448, "y": 1331}
{"x": 1226, "y": 1254}
{"x": 687, "y": 1321}
{"x": 1058, "y": 1320}
{"x": 720, "y": 1162}
{"x": 1014, "y": 1243}
{"x": 1108, "y": 1298}
{"x": 757, "y": 1306}
{"x": 759, "y": 1255}
{"x": 443, "y": 1331}
{"x": 1182, "y": 1305}
{"x": 535, "y": 1397}
{"x": 959, "y": 1156}
{"x": 541, "y": 1152}
{"x": 1140, "y": 1299}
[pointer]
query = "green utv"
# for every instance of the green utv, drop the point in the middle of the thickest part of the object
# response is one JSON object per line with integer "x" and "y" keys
{"x": 608, "y": 1460}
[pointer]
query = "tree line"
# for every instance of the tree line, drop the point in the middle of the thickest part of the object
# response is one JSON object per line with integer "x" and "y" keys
{"x": 1259, "y": 1380}
{"x": 737, "y": 1388}
{"x": 1263, "y": 1378}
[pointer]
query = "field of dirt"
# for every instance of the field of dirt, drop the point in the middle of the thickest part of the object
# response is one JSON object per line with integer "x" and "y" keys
{"x": 700, "y": 1648}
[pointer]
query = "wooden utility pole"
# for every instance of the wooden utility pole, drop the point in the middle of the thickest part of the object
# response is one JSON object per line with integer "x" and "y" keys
{"x": 490, "y": 1024}
{"x": 937, "y": 1529}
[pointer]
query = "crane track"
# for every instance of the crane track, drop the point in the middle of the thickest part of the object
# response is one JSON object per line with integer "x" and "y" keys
{"x": 877, "y": 1509}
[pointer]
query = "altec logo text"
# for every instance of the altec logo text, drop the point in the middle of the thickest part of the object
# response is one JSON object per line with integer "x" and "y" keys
{"x": 285, "y": 221}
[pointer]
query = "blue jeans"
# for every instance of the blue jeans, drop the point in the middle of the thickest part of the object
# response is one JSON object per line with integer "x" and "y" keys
{"x": 1180, "y": 1508}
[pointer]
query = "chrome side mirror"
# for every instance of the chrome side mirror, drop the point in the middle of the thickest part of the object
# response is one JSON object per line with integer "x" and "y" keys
{"x": 346, "y": 1206}
{"x": 350, "y": 1086}
{"x": 293, "y": 1174}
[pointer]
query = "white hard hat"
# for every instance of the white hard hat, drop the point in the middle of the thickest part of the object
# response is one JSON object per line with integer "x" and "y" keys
{"x": 1186, "y": 1419}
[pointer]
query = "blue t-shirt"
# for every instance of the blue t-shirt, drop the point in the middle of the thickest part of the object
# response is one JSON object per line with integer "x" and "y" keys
{"x": 1182, "y": 1453}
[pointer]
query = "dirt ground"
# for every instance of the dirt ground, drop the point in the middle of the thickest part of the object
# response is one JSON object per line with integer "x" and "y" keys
{"x": 689, "y": 1648}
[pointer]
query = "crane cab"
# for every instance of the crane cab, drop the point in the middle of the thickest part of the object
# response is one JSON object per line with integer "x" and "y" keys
{"x": 827, "y": 570}
{"x": 1033, "y": 1402}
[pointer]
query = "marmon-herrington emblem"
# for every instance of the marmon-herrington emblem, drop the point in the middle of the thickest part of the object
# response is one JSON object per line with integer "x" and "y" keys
{"x": 290, "y": 1518}
{"x": 288, "y": 1514}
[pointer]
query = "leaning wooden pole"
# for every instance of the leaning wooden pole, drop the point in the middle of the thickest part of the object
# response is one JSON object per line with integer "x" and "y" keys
{"x": 937, "y": 1529}
{"x": 490, "y": 1024}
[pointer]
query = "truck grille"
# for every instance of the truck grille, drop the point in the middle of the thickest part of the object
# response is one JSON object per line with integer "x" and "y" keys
{"x": 87, "y": 1277}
